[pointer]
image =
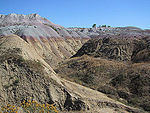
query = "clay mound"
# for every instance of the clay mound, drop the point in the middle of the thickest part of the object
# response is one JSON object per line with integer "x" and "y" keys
{"x": 121, "y": 49}
{"x": 24, "y": 25}
{"x": 24, "y": 49}
{"x": 52, "y": 42}
{"x": 109, "y": 48}
{"x": 20, "y": 19}
{"x": 14, "y": 41}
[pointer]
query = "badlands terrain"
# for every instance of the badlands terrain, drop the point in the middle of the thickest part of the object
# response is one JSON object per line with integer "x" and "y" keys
{"x": 94, "y": 70}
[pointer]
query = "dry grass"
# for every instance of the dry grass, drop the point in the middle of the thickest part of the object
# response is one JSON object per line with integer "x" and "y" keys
{"x": 116, "y": 79}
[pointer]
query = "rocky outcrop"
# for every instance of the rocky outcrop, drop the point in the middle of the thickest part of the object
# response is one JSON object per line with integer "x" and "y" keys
{"x": 110, "y": 48}
{"x": 141, "y": 50}
{"x": 121, "y": 49}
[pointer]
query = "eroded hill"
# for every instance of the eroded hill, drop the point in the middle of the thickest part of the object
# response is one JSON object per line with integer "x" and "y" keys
{"x": 114, "y": 66}
{"x": 25, "y": 75}
{"x": 52, "y": 42}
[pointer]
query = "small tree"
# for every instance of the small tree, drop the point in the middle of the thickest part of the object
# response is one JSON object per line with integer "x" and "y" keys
{"x": 103, "y": 25}
{"x": 94, "y": 25}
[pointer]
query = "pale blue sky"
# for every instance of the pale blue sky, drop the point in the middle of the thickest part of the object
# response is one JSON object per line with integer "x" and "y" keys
{"x": 84, "y": 13}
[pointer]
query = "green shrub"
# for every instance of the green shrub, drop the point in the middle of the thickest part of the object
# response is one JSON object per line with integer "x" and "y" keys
{"x": 118, "y": 80}
{"x": 103, "y": 25}
{"x": 94, "y": 25}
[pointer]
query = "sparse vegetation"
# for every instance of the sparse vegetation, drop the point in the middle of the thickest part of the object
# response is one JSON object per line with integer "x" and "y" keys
{"x": 53, "y": 27}
{"x": 8, "y": 109}
{"x": 117, "y": 80}
{"x": 16, "y": 82}
{"x": 103, "y": 25}
{"x": 35, "y": 107}
{"x": 12, "y": 56}
{"x": 29, "y": 107}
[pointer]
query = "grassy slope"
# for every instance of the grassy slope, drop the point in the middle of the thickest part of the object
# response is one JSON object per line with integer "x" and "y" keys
{"x": 126, "y": 82}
